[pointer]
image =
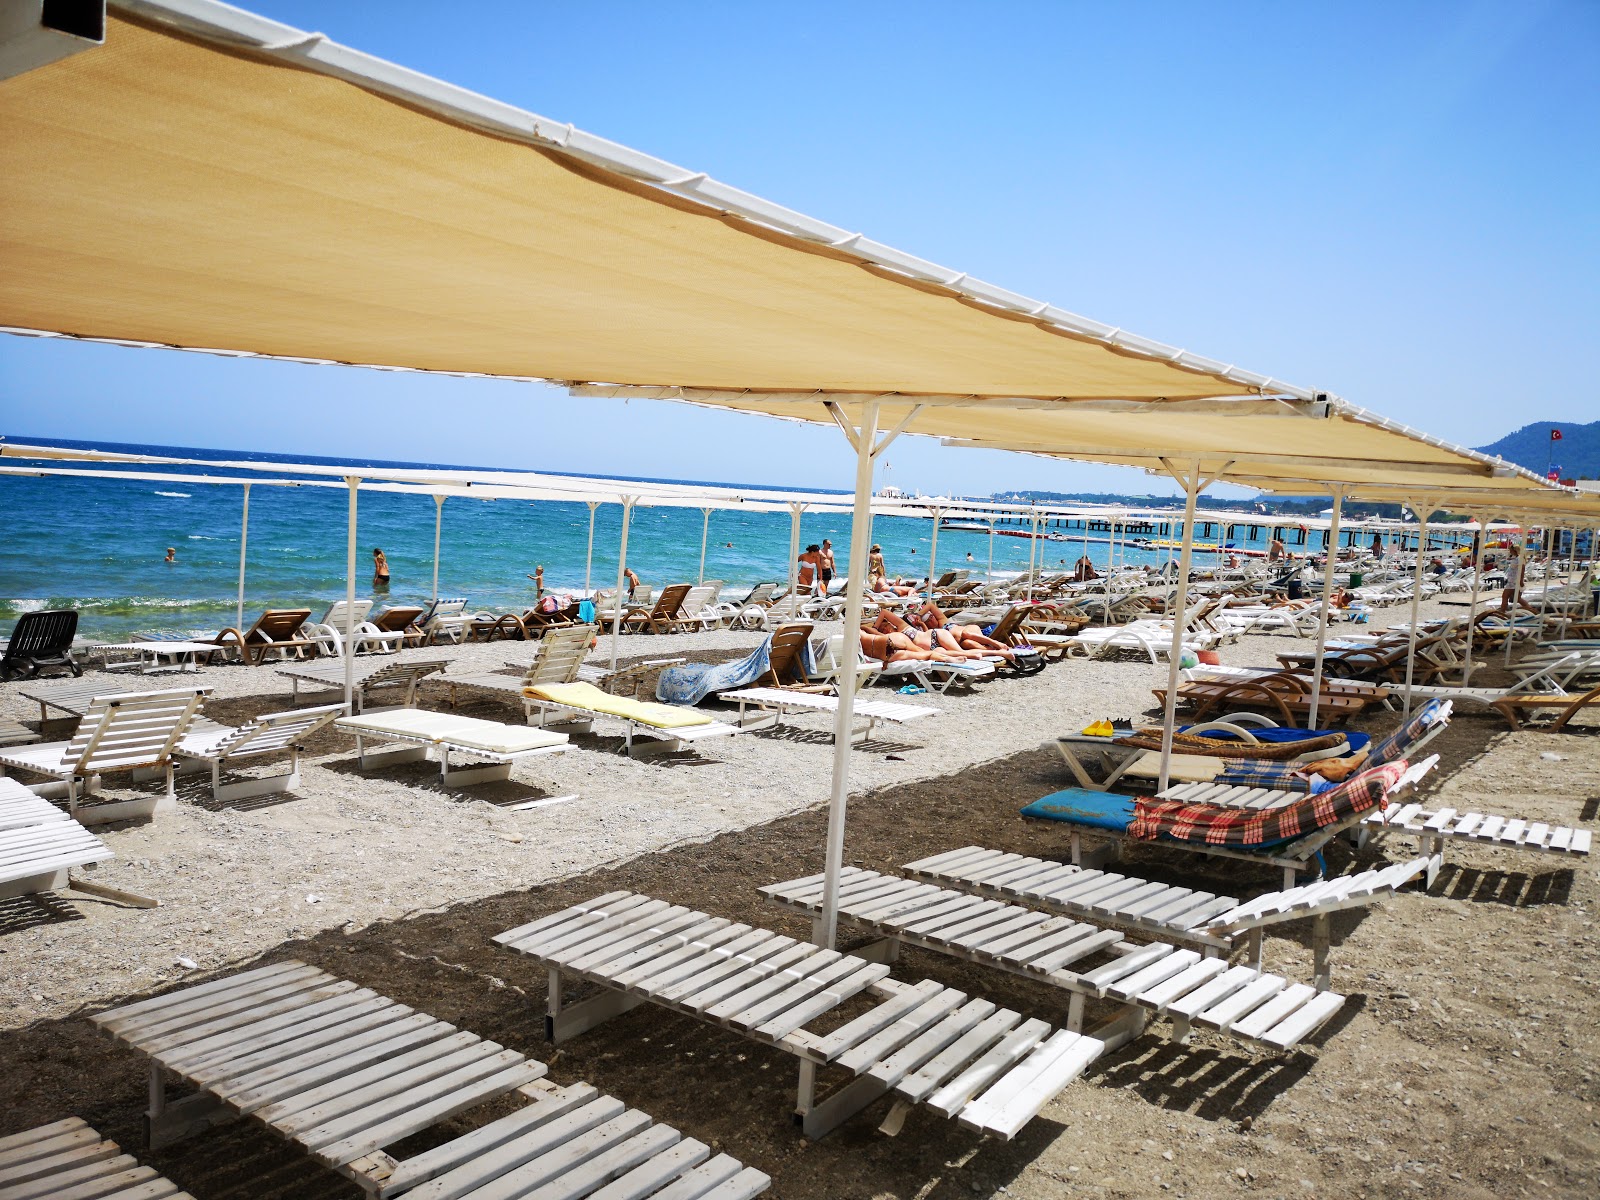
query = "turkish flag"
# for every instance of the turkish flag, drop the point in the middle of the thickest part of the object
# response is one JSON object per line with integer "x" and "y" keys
{"x": 1555, "y": 435}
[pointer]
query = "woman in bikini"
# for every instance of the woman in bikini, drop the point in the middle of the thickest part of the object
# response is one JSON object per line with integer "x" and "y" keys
{"x": 966, "y": 637}
{"x": 905, "y": 636}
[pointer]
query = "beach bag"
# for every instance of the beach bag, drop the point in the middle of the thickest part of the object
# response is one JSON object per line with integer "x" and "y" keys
{"x": 1028, "y": 661}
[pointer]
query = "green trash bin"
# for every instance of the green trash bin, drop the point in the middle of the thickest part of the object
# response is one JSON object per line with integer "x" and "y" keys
{"x": 1355, "y": 579}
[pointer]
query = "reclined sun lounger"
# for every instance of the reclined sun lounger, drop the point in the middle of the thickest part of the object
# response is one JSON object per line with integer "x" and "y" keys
{"x": 40, "y": 640}
{"x": 1287, "y": 835}
{"x": 369, "y": 677}
{"x": 783, "y": 658}
{"x": 987, "y": 1067}
{"x": 1284, "y": 694}
{"x": 668, "y": 727}
{"x": 1213, "y": 923}
{"x": 276, "y": 631}
{"x": 133, "y": 731}
{"x": 40, "y": 844}
{"x": 221, "y": 746}
{"x": 1266, "y": 1012}
{"x": 346, "y": 1073}
{"x": 1406, "y": 741}
{"x": 782, "y": 701}
{"x": 436, "y": 734}
{"x": 68, "y": 1160}
{"x": 328, "y": 634}
{"x": 557, "y": 658}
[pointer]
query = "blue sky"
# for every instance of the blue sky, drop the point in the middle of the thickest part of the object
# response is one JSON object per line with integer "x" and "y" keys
{"x": 1396, "y": 203}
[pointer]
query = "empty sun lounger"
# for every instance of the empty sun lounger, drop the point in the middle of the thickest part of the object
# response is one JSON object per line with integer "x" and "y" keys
{"x": 436, "y": 734}
{"x": 1266, "y": 1012}
{"x": 781, "y": 701}
{"x": 668, "y": 727}
{"x": 40, "y": 844}
{"x": 133, "y": 732}
{"x": 40, "y": 640}
{"x": 1207, "y": 921}
{"x": 68, "y": 1160}
{"x": 222, "y": 746}
{"x": 989, "y": 1068}
{"x": 558, "y": 657}
{"x": 346, "y": 1073}
{"x": 74, "y": 697}
{"x": 276, "y": 631}
{"x": 369, "y": 677}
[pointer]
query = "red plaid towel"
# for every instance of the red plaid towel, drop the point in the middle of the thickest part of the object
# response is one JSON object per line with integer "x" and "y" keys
{"x": 1243, "y": 828}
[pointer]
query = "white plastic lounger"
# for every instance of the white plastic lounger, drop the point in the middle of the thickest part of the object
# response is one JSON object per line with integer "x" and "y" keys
{"x": 40, "y": 844}
{"x": 369, "y": 677}
{"x": 1212, "y": 923}
{"x": 346, "y": 1073}
{"x": 781, "y": 701}
{"x": 328, "y": 634}
{"x": 219, "y": 746}
{"x": 987, "y": 1067}
{"x": 1265, "y": 1012}
{"x": 133, "y": 731}
{"x": 436, "y": 734}
{"x": 667, "y": 727}
{"x": 69, "y": 1160}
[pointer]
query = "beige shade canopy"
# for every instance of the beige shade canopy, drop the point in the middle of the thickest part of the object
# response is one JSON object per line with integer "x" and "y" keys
{"x": 207, "y": 179}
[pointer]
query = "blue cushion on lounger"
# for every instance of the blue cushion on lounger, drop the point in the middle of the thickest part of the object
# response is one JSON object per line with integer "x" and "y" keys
{"x": 1104, "y": 810}
{"x": 1357, "y": 741}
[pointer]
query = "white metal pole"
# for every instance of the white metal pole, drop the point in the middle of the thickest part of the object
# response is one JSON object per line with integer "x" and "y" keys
{"x": 1033, "y": 552}
{"x": 1191, "y": 490}
{"x": 354, "y": 483}
{"x": 991, "y": 551}
{"x": 588, "y": 557}
{"x": 705, "y": 528}
{"x": 244, "y": 538}
{"x": 438, "y": 525}
{"x": 622, "y": 565}
{"x": 1477, "y": 583}
{"x": 933, "y": 549}
{"x": 1327, "y": 604}
{"x": 826, "y": 930}
{"x": 795, "y": 508}
{"x": 1516, "y": 592}
{"x": 1425, "y": 508}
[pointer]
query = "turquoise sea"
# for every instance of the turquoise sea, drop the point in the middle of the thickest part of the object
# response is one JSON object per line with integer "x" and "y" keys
{"x": 98, "y": 545}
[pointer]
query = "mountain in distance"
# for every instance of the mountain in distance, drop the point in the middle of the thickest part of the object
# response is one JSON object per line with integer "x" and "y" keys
{"x": 1577, "y": 453}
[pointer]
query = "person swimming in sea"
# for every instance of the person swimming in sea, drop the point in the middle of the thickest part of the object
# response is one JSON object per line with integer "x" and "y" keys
{"x": 172, "y": 555}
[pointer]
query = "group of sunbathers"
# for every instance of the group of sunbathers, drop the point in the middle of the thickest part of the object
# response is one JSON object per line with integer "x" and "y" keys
{"x": 928, "y": 635}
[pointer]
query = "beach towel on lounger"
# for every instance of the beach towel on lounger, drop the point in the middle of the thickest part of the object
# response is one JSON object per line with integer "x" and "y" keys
{"x": 587, "y": 697}
{"x": 1150, "y": 819}
{"x": 693, "y": 682}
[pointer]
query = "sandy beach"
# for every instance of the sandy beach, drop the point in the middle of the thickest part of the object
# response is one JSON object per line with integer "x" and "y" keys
{"x": 1462, "y": 1068}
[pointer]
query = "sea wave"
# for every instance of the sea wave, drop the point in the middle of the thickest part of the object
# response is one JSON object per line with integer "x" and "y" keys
{"x": 113, "y": 606}
{"x": 175, "y": 495}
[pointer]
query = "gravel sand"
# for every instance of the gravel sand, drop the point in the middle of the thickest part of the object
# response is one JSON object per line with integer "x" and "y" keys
{"x": 1481, "y": 993}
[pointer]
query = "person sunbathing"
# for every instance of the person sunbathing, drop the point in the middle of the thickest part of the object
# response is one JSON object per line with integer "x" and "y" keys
{"x": 966, "y": 636}
{"x": 893, "y": 648}
{"x": 906, "y": 636}
{"x": 887, "y": 587}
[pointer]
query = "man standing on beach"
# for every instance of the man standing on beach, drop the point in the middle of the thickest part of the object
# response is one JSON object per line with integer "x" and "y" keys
{"x": 825, "y": 566}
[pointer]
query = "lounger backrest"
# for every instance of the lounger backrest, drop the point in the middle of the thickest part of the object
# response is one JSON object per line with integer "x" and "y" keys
{"x": 697, "y": 599}
{"x": 452, "y": 607}
{"x": 276, "y": 731}
{"x": 336, "y": 614}
{"x": 1008, "y": 626}
{"x": 396, "y": 673}
{"x": 785, "y": 662}
{"x": 1413, "y": 733}
{"x": 397, "y": 620}
{"x": 132, "y": 729}
{"x": 672, "y": 598}
{"x": 43, "y": 634}
{"x": 278, "y": 625}
{"x": 761, "y": 593}
{"x": 561, "y": 653}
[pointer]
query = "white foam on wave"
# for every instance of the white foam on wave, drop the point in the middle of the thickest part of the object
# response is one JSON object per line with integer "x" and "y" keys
{"x": 175, "y": 495}
{"x": 200, "y": 537}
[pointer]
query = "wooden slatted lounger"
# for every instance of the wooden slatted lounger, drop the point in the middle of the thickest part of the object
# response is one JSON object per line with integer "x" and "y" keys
{"x": 1265, "y": 1012}
{"x": 344, "y": 1072}
{"x": 75, "y": 696}
{"x": 40, "y": 844}
{"x": 369, "y": 677}
{"x": 437, "y": 734}
{"x": 218, "y": 746}
{"x": 989, "y": 1068}
{"x": 1213, "y": 923}
{"x": 68, "y": 1160}
{"x": 781, "y": 700}
{"x": 668, "y": 727}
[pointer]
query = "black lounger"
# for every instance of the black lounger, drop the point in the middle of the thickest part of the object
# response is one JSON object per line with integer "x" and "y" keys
{"x": 40, "y": 639}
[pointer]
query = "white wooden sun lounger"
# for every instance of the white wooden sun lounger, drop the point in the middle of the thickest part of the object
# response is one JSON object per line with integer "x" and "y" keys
{"x": 345, "y": 1073}
{"x": 436, "y": 734}
{"x": 15, "y": 733}
{"x": 1265, "y": 1012}
{"x": 781, "y": 701}
{"x": 40, "y": 844}
{"x": 73, "y": 696}
{"x": 1212, "y": 923}
{"x": 220, "y": 746}
{"x": 987, "y": 1067}
{"x": 69, "y": 1160}
{"x": 133, "y": 732}
{"x": 369, "y": 677}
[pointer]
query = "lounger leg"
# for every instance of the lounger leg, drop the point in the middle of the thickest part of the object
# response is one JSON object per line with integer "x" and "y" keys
{"x": 564, "y": 1021}
{"x": 1075, "y": 1013}
{"x": 1253, "y": 951}
{"x": 1433, "y": 847}
{"x": 166, "y": 1123}
{"x": 884, "y": 950}
{"x": 819, "y": 1120}
{"x": 1321, "y": 938}
{"x": 1288, "y": 878}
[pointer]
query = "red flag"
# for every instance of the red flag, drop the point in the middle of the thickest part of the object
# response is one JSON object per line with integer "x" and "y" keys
{"x": 1555, "y": 435}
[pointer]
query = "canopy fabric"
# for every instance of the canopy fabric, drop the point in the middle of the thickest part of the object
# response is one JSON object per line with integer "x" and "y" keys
{"x": 208, "y": 179}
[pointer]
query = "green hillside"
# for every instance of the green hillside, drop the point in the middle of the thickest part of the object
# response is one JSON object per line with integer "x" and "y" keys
{"x": 1577, "y": 453}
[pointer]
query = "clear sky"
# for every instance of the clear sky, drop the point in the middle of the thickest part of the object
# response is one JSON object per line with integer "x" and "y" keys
{"x": 1398, "y": 203}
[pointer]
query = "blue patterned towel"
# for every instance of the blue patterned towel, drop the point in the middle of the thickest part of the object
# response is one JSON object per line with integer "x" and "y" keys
{"x": 693, "y": 682}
